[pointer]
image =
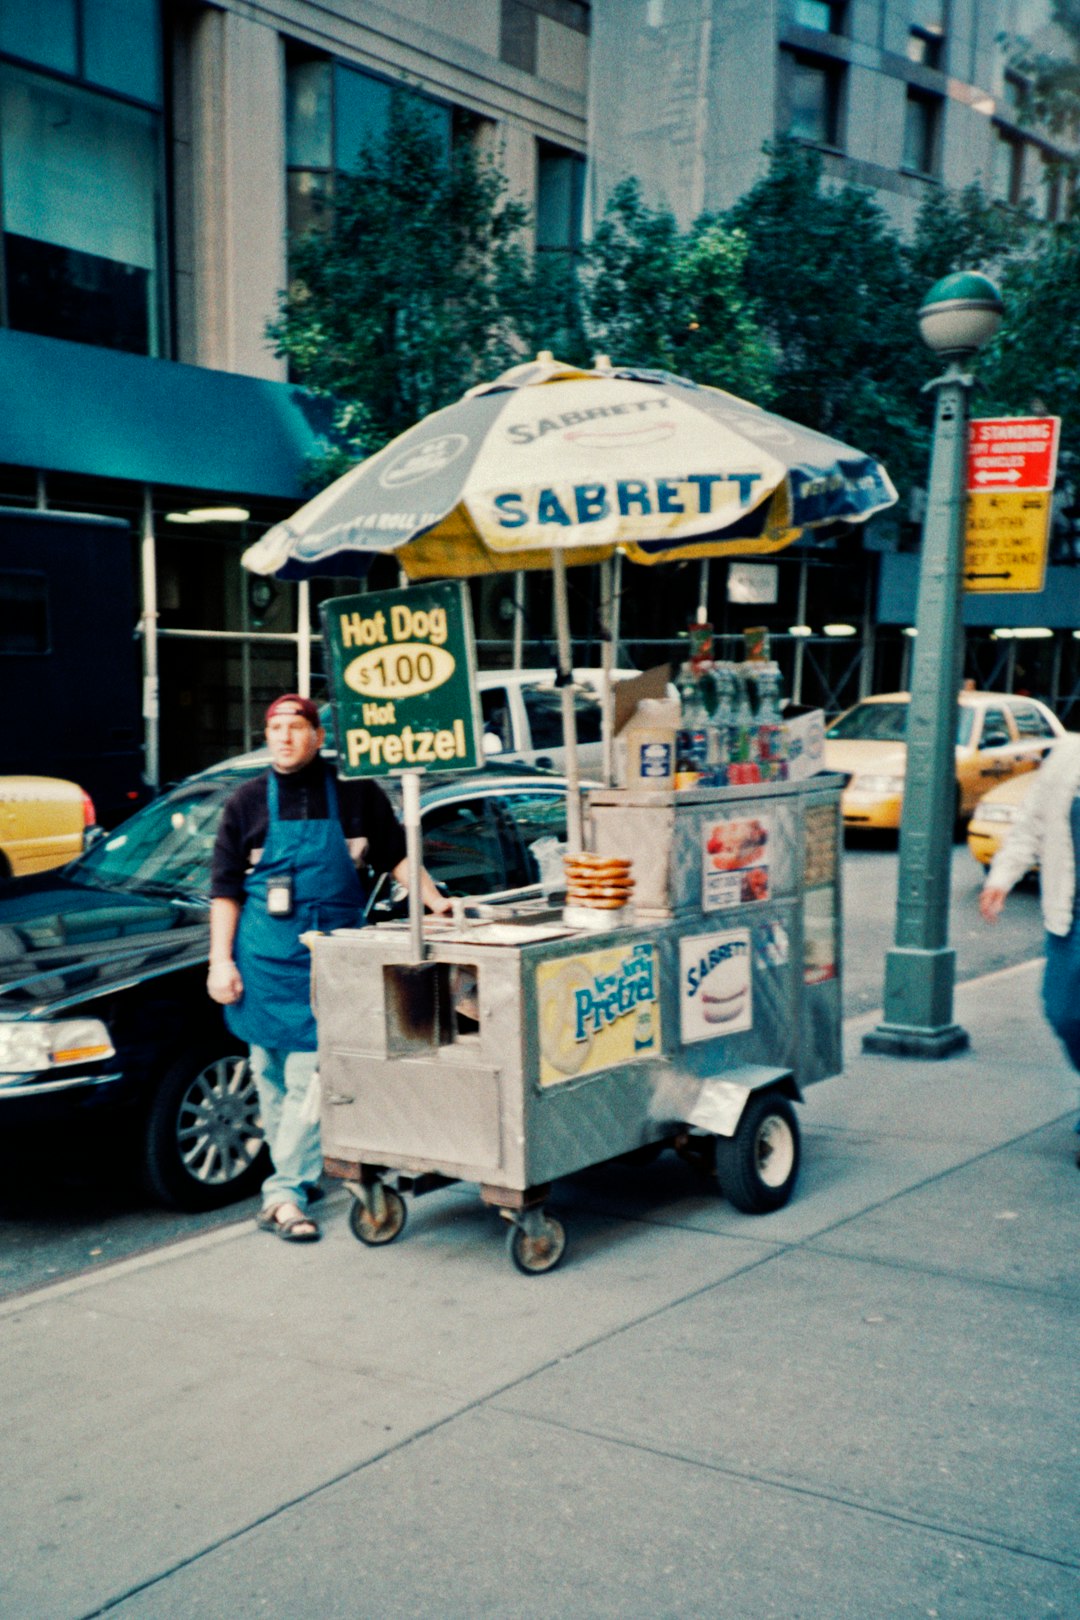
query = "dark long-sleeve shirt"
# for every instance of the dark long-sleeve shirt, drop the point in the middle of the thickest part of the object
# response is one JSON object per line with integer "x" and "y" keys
{"x": 375, "y": 835}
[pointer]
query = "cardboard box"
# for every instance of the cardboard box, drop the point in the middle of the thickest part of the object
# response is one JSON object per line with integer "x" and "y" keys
{"x": 804, "y": 734}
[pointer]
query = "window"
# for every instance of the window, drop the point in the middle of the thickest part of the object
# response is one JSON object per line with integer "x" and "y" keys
{"x": 543, "y": 706}
{"x": 533, "y": 815}
{"x": 462, "y": 848}
{"x": 921, "y": 132}
{"x": 114, "y": 44}
{"x": 995, "y": 729}
{"x": 517, "y": 35}
{"x": 926, "y": 46}
{"x": 81, "y": 172}
{"x": 814, "y": 91}
{"x": 1008, "y": 168}
{"x": 332, "y": 112}
{"x": 1052, "y": 188}
{"x": 24, "y": 612}
{"x": 826, "y": 16}
{"x": 498, "y": 727}
{"x": 1030, "y": 722}
{"x": 560, "y": 193}
{"x": 518, "y": 27}
{"x": 79, "y": 175}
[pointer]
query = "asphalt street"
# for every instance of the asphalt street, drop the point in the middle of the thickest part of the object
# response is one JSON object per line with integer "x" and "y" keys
{"x": 82, "y": 1209}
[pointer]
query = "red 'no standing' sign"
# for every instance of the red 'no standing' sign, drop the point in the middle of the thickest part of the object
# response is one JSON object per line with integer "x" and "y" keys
{"x": 1012, "y": 452}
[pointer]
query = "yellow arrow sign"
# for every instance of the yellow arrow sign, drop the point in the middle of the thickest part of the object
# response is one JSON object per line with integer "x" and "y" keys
{"x": 1005, "y": 541}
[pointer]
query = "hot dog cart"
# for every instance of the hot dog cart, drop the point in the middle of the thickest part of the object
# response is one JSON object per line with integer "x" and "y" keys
{"x": 693, "y": 1019}
{"x": 698, "y": 1017}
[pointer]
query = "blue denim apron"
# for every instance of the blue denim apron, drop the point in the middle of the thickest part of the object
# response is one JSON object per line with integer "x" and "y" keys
{"x": 275, "y": 1009}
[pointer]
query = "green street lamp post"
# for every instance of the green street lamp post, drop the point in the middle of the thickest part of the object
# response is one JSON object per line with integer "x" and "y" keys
{"x": 961, "y": 313}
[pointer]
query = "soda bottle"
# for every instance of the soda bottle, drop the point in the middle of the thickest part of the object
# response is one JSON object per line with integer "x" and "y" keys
{"x": 692, "y": 746}
{"x": 743, "y": 726}
{"x": 770, "y": 729}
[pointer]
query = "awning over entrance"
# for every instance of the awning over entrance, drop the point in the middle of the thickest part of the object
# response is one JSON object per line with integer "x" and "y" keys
{"x": 72, "y": 408}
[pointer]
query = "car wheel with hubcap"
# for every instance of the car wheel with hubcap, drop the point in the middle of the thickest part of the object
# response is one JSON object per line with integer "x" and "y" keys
{"x": 203, "y": 1140}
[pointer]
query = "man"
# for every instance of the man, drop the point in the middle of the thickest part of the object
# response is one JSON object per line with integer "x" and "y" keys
{"x": 285, "y": 862}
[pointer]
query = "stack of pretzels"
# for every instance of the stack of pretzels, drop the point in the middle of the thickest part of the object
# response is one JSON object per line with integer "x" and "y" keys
{"x": 600, "y": 882}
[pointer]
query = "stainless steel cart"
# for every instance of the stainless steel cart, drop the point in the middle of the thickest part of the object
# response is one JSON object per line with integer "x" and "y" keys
{"x": 696, "y": 1024}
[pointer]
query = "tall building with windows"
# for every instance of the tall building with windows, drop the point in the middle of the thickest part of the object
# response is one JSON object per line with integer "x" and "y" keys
{"x": 897, "y": 95}
{"x": 154, "y": 156}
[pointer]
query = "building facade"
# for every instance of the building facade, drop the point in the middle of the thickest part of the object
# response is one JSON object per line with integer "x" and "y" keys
{"x": 155, "y": 156}
{"x": 897, "y": 95}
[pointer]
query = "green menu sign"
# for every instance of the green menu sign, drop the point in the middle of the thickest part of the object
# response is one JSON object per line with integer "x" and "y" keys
{"x": 402, "y": 666}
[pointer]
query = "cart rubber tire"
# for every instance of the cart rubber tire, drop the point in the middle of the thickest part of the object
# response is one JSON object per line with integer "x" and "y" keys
{"x": 758, "y": 1166}
{"x": 363, "y": 1227}
{"x": 535, "y": 1255}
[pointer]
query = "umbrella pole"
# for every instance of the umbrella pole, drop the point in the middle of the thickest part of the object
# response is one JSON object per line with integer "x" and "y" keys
{"x": 564, "y": 680}
{"x": 607, "y": 658}
{"x": 410, "y": 815}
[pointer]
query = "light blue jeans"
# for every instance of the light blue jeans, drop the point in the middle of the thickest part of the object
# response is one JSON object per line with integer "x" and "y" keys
{"x": 283, "y": 1081}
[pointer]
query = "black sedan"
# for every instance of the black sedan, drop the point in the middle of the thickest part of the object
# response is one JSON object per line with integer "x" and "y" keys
{"x": 103, "y": 1004}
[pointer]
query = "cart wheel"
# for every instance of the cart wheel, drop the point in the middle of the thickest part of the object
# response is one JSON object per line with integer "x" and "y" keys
{"x": 758, "y": 1166}
{"x": 363, "y": 1225}
{"x": 538, "y": 1251}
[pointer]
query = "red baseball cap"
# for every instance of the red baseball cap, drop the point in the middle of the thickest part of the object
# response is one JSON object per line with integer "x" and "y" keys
{"x": 293, "y": 703}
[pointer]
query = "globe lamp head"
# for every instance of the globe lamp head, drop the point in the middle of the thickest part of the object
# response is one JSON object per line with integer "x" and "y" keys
{"x": 960, "y": 313}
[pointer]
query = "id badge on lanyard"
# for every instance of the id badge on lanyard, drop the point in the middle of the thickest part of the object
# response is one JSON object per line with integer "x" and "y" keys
{"x": 279, "y": 895}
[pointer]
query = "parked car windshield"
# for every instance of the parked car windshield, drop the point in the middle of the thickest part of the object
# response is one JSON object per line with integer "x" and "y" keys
{"x": 168, "y": 845}
{"x": 887, "y": 722}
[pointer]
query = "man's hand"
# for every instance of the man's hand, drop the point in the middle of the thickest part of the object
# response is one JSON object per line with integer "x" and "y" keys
{"x": 440, "y": 904}
{"x": 991, "y": 902}
{"x": 223, "y": 983}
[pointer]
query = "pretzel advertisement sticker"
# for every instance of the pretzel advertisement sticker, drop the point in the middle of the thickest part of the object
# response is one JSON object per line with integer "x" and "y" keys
{"x": 597, "y": 1010}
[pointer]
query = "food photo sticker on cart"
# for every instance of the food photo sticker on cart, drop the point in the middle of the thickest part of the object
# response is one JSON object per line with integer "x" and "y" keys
{"x": 715, "y": 995}
{"x": 735, "y": 858}
{"x": 597, "y": 1010}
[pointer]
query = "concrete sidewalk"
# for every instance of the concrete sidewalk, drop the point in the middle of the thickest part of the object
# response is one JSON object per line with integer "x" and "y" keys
{"x": 864, "y": 1405}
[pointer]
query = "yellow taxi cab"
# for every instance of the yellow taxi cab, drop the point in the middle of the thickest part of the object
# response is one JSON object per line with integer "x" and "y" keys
{"x": 43, "y": 822}
{"x": 998, "y": 735}
{"x": 993, "y": 816}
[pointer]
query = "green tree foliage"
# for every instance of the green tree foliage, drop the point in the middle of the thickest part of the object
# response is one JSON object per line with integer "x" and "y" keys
{"x": 1033, "y": 366}
{"x": 1052, "y": 73}
{"x": 834, "y": 293}
{"x": 963, "y": 230}
{"x": 412, "y": 290}
{"x": 679, "y": 302}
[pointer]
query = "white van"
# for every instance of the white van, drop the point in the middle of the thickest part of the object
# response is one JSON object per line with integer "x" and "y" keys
{"x": 522, "y": 716}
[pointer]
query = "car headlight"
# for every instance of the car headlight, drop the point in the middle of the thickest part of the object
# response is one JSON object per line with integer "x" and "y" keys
{"x": 996, "y": 812}
{"x": 27, "y": 1048}
{"x": 878, "y": 784}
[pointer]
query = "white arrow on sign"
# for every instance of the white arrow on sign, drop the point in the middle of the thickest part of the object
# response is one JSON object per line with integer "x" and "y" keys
{"x": 998, "y": 477}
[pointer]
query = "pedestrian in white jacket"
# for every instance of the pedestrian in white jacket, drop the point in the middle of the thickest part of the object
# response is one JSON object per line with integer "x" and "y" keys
{"x": 1047, "y": 834}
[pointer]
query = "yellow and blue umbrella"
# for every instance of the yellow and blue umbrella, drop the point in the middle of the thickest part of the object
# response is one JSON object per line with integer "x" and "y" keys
{"x": 550, "y": 465}
{"x": 550, "y": 460}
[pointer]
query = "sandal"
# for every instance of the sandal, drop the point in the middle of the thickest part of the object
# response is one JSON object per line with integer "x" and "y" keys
{"x": 289, "y": 1231}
